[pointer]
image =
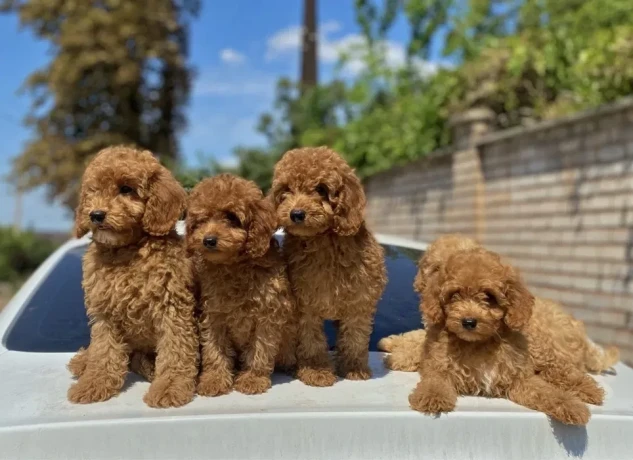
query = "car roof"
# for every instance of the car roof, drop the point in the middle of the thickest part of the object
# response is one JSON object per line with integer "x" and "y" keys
{"x": 368, "y": 419}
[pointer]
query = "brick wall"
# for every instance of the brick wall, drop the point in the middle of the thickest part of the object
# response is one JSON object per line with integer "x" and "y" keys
{"x": 555, "y": 198}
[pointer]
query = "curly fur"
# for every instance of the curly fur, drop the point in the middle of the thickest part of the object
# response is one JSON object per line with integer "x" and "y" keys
{"x": 336, "y": 267}
{"x": 523, "y": 349}
{"x": 137, "y": 282}
{"x": 248, "y": 317}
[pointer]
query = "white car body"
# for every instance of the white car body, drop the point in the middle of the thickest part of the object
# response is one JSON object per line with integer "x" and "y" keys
{"x": 351, "y": 420}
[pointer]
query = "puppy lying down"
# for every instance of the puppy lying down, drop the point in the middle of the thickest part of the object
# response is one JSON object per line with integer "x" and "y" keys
{"x": 487, "y": 335}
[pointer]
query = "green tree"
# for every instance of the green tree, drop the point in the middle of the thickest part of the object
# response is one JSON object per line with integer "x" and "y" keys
{"x": 118, "y": 75}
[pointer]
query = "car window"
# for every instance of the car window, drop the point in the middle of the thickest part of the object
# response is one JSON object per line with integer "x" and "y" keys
{"x": 54, "y": 318}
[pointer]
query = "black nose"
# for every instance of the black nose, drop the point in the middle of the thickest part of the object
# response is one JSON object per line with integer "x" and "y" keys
{"x": 469, "y": 323}
{"x": 210, "y": 242}
{"x": 97, "y": 217}
{"x": 297, "y": 215}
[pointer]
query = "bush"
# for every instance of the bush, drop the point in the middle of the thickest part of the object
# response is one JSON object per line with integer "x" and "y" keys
{"x": 21, "y": 253}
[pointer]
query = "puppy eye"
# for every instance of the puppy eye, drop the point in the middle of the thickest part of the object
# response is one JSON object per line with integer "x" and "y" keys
{"x": 125, "y": 190}
{"x": 322, "y": 190}
{"x": 233, "y": 219}
{"x": 490, "y": 299}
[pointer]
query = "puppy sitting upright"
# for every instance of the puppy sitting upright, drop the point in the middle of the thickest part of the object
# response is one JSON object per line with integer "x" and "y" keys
{"x": 245, "y": 297}
{"x": 336, "y": 267}
{"x": 137, "y": 282}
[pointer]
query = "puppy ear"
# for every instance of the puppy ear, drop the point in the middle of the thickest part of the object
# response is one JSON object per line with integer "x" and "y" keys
{"x": 80, "y": 229}
{"x": 263, "y": 224}
{"x": 520, "y": 303}
{"x": 349, "y": 207}
{"x": 165, "y": 204}
{"x": 431, "y": 304}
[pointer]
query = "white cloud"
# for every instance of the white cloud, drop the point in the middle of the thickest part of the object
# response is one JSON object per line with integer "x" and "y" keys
{"x": 231, "y": 56}
{"x": 353, "y": 46}
{"x": 288, "y": 39}
{"x": 248, "y": 83}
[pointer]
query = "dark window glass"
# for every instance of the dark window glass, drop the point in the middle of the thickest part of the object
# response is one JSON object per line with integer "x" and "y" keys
{"x": 54, "y": 318}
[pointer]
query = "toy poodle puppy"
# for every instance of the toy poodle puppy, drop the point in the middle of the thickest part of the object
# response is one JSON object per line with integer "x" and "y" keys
{"x": 247, "y": 321}
{"x": 336, "y": 266}
{"x": 556, "y": 338}
{"x": 477, "y": 312}
{"x": 137, "y": 282}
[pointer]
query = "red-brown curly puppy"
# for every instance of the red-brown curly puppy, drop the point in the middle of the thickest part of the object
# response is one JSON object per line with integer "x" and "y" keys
{"x": 336, "y": 266}
{"x": 247, "y": 312}
{"x": 555, "y": 337}
{"x": 477, "y": 311}
{"x": 137, "y": 282}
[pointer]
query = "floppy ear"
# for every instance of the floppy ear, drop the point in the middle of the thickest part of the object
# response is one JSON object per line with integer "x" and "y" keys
{"x": 431, "y": 307}
{"x": 520, "y": 303}
{"x": 350, "y": 206}
{"x": 263, "y": 224}
{"x": 165, "y": 204}
{"x": 80, "y": 229}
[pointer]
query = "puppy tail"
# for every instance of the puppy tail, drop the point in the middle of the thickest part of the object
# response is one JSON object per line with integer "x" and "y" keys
{"x": 599, "y": 359}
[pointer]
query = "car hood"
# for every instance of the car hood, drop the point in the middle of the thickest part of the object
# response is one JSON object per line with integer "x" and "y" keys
{"x": 349, "y": 420}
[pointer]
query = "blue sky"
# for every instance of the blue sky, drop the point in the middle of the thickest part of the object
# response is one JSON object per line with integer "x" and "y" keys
{"x": 239, "y": 50}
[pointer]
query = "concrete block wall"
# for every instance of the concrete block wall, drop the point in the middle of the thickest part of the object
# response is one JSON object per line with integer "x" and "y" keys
{"x": 556, "y": 199}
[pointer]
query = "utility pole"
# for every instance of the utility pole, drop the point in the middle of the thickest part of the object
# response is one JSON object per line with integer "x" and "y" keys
{"x": 309, "y": 45}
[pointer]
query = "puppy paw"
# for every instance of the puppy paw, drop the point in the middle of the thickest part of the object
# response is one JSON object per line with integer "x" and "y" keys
{"x": 589, "y": 392}
{"x": 214, "y": 384}
{"x": 316, "y": 377}
{"x": 77, "y": 364}
{"x": 170, "y": 392}
{"x": 358, "y": 373}
{"x": 393, "y": 363}
{"x": 252, "y": 384}
{"x": 571, "y": 413}
{"x": 431, "y": 402}
{"x": 90, "y": 391}
{"x": 385, "y": 344}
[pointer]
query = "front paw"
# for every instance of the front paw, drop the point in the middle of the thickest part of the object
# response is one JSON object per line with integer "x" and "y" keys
{"x": 249, "y": 383}
{"x": 590, "y": 392}
{"x": 316, "y": 377}
{"x": 356, "y": 373}
{"x": 77, "y": 364}
{"x": 170, "y": 392}
{"x": 571, "y": 412}
{"x": 431, "y": 402}
{"x": 87, "y": 391}
{"x": 214, "y": 384}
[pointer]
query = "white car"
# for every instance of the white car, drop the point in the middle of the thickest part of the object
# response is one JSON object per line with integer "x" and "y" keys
{"x": 45, "y": 323}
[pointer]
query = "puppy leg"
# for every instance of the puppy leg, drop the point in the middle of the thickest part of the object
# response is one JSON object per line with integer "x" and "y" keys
{"x": 259, "y": 360}
{"x": 77, "y": 364}
{"x": 106, "y": 366}
{"x": 535, "y": 393}
{"x": 174, "y": 382}
{"x": 143, "y": 364}
{"x": 405, "y": 350}
{"x": 352, "y": 348}
{"x": 575, "y": 381}
{"x": 434, "y": 393}
{"x": 286, "y": 360}
{"x": 314, "y": 366}
{"x": 216, "y": 377}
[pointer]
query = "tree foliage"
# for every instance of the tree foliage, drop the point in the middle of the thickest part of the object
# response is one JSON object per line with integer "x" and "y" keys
{"x": 118, "y": 74}
{"x": 21, "y": 253}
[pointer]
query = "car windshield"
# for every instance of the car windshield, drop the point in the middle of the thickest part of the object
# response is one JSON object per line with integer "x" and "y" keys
{"x": 54, "y": 318}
